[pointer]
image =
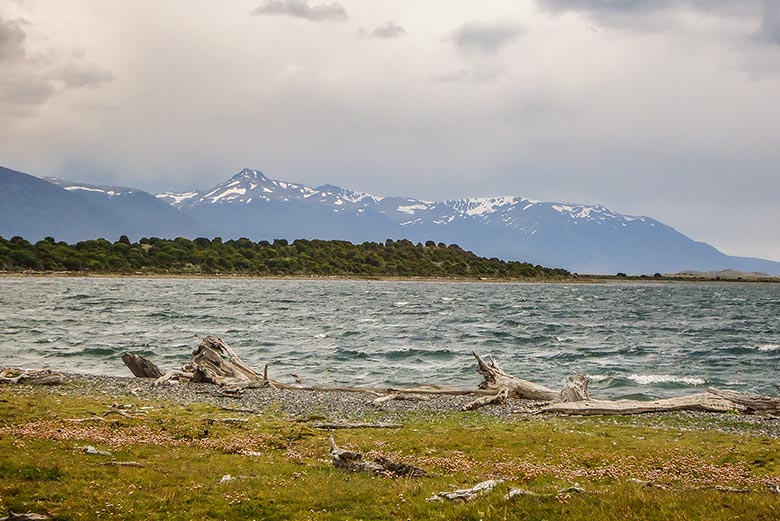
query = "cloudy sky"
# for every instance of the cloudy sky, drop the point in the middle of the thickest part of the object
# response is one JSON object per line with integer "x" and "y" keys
{"x": 667, "y": 108}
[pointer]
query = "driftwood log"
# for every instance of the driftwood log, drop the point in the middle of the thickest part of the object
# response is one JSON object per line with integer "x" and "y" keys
{"x": 353, "y": 461}
{"x": 23, "y": 376}
{"x": 215, "y": 362}
{"x": 467, "y": 494}
{"x": 140, "y": 366}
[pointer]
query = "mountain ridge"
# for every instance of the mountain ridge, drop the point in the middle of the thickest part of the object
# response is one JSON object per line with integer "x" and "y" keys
{"x": 581, "y": 238}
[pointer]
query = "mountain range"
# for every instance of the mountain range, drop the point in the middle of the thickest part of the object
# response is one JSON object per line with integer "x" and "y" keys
{"x": 580, "y": 238}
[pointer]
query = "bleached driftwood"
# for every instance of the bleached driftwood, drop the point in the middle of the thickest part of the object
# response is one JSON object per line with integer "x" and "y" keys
{"x": 515, "y": 492}
{"x": 706, "y": 402}
{"x": 353, "y": 461}
{"x": 497, "y": 380}
{"x": 575, "y": 389}
{"x": 46, "y": 376}
{"x": 215, "y": 362}
{"x": 753, "y": 403}
{"x": 28, "y": 516}
{"x": 467, "y": 494}
{"x": 475, "y": 404}
{"x": 124, "y": 464}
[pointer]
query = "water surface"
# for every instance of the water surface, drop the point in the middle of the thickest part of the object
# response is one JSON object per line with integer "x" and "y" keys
{"x": 646, "y": 340}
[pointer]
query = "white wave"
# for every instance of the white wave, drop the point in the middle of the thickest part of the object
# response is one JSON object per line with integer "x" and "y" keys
{"x": 763, "y": 347}
{"x": 649, "y": 379}
{"x": 564, "y": 339}
{"x": 598, "y": 377}
{"x": 401, "y": 304}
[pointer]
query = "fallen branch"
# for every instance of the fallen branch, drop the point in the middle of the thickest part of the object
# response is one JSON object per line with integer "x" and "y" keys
{"x": 486, "y": 400}
{"x": 380, "y": 425}
{"x": 29, "y": 516}
{"x": 226, "y": 420}
{"x": 514, "y": 492}
{"x": 124, "y": 464}
{"x": 467, "y": 494}
{"x": 399, "y": 396}
{"x": 706, "y": 402}
{"x": 88, "y": 419}
{"x": 44, "y": 376}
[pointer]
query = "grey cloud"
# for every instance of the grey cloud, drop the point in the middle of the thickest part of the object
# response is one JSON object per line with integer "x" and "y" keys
{"x": 648, "y": 6}
{"x": 387, "y": 31}
{"x": 770, "y": 24}
{"x": 30, "y": 77}
{"x": 26, "y": 90}
{"x": 11, "y": 40}
{"x": 633, "y": 12}
{"x": 302, "y": 9}
{"x": 81, "y": 74}
{"x": 485, "y": 38}
{"x": 471, "y": 75}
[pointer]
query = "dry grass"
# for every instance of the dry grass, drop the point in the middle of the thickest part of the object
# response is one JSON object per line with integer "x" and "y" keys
{"x": 281, "y": 468}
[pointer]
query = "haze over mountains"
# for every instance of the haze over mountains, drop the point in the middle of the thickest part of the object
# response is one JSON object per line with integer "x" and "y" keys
{"x": 580, "y": 238}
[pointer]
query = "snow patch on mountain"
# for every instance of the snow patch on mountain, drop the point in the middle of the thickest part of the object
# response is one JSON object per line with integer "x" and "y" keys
{"x": 110, "y": 191}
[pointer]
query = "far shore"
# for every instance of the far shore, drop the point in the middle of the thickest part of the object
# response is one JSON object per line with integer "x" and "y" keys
{"x": 578, "y": 279}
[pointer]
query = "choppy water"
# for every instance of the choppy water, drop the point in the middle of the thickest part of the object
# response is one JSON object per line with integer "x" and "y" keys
{"x": 632, "y": 339}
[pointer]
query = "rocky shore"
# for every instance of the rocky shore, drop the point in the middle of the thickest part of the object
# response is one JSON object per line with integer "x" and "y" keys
{"x": 339, "y": 406}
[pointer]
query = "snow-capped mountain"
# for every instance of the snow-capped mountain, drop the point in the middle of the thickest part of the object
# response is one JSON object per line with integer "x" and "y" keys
{"x": 581, "y": 238}
{"x": 253, "y": 186}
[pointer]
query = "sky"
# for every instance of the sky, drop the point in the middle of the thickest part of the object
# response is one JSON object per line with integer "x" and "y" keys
{"x": 665, "y": 108}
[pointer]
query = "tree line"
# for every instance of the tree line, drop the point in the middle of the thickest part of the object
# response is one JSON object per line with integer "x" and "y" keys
{"x": 302, "y": 257}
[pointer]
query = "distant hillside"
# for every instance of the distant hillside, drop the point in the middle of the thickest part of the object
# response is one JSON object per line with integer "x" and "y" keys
{"x": 724, "y": 275}
{"x": 578, "y": 238}
{"x": 35, "y": 208}
{"x": 301, "y": 258}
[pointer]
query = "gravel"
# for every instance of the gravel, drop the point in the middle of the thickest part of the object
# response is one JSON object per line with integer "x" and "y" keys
{"x": 335, "y": 406}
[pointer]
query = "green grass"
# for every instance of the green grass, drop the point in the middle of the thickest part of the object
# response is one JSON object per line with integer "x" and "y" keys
{"x": 184, "y": 455}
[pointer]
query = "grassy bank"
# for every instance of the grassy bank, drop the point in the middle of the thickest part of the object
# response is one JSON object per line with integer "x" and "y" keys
{"x": 280, "y": 465}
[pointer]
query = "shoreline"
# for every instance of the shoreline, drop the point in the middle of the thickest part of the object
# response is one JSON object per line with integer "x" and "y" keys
{"x": 341, "y": 406}
{"x": 582, "y": 279}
